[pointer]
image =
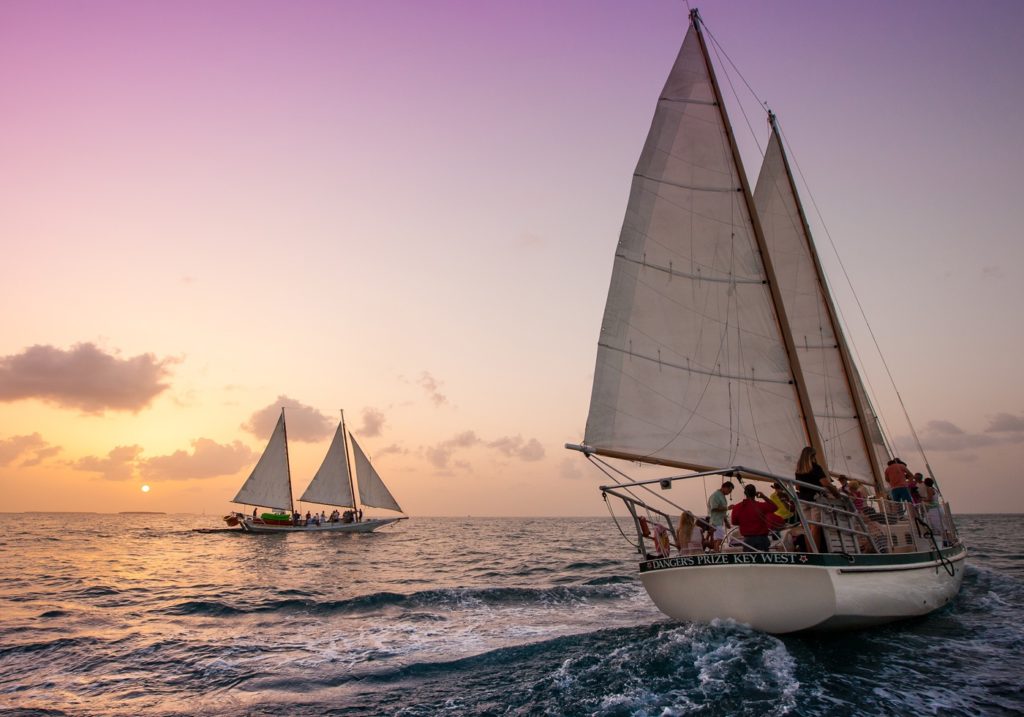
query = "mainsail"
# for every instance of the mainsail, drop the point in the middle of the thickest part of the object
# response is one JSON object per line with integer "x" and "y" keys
{"x": 841, "y": 411}
{"x": 692, "y": 365}
{"x": 332, "y": 484}
{"x": 270, "y": 485}
{"x": 372, "y": 490}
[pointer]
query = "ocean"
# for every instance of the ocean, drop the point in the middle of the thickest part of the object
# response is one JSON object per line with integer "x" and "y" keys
{"x": 139, "y": 615}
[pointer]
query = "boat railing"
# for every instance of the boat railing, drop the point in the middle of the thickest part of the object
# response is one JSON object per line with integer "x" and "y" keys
{"x": 837, "y": 524}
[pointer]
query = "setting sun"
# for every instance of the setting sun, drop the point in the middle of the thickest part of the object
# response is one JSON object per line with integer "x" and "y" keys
{"x": 145, "y": 489}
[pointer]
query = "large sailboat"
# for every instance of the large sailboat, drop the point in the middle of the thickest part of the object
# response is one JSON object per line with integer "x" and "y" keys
{"x": 722, "y": 357}
{"x": 270, "y": 486}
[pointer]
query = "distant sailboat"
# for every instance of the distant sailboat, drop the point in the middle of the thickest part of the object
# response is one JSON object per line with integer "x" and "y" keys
{"x": 721, "y": 353}
{"x": 270, "y": 486}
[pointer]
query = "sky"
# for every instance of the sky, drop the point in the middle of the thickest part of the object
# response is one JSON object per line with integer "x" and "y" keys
{"x": 408, "y": 210}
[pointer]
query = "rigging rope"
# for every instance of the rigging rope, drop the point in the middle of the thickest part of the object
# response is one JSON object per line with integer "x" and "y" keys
{"x": 860, "y": 307}
{"x": 764, "y": 105}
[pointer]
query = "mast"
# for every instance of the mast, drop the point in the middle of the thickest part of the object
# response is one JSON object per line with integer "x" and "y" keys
{"x": 807, "y": 412}
{"x": 348, "y": 464}
{"x": 844, "y": 349}
{"x": 287, "y": 463}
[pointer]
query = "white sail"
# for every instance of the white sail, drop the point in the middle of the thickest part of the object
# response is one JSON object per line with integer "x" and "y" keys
{"x": 269, "y": 485}
{"x": 332, "y": 484}
{"x": 372, "y": 490}
{"x": 692, "y": 368}
{"x": 830, "y": 387}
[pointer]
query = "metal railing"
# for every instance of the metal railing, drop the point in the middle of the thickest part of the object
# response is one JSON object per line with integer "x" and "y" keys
{"x": 842, "y": 524}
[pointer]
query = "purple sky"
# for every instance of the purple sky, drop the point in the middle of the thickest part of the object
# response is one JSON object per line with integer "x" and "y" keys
{"x": 377, "y": 204}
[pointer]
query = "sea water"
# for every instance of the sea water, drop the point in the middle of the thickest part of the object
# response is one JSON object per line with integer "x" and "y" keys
{"x": 139, "y": 615}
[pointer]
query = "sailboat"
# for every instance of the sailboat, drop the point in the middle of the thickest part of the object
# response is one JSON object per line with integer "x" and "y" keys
{"x": 721, "y": 358}
{"x": 270, "y": 486}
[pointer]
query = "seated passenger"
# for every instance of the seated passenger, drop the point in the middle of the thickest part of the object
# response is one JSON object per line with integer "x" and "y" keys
{"x": 690, "y": 534}
{"x": 752, "y": 518}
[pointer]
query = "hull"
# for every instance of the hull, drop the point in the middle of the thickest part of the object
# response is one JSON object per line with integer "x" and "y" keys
{"x": 786, "y": 592}
{"x": 365, "y": 526}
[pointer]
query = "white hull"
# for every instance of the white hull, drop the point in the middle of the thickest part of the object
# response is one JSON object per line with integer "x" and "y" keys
{"x": 781, "y": 598}
{"x": 364, "y": 526}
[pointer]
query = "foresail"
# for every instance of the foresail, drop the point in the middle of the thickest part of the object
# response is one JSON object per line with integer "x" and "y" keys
{"x": 269, "y": 484}
{"x": 372, "y": 491}
{"x": 830, "y": 381}
{"x": 332, "y": 485}
{"x": 692, "y": 369}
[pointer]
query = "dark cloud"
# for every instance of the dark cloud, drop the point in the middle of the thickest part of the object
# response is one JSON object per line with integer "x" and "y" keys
{"x": 944, "y": 428}
{"x": 31, "y": 449}
{"x": 304, "y": 422}
{"x": 373, "y": 422}
{"x": 84, "y": 378}
{"x": 516, "y": 447}
{"x": 433, "y": 388}
{"x": 945, "y": 436}
{"x": 208, "y": 459}
{"x": 119, "y": 464}
{"x": 1005, "y": 423}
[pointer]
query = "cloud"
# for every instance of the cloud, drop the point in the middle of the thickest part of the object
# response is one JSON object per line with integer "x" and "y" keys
{"x": 1005, "y": 423}
{"x": 208, "y": 459}
{"x": 570, "y": 468}
{"x": 432, "y": 387}
{"x": 944, "y": 428}
{"x": 393, "y": 448}
{"x": 373, "y": 422}
{"x": 304, "y": 422}
{"x": 32, "y": 449}
{"x": 119, "y": 464}
{"x": 440, "y": 454}
{"x": 516, "y": 447}
{"x": 945, "y": 436}
{"x": 83, "y": 377}
{"x": 530, "y": 240}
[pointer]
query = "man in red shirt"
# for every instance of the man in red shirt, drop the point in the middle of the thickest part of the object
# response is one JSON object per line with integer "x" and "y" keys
{"x": 755, "y": 519}
{"x": 897, "y": 475}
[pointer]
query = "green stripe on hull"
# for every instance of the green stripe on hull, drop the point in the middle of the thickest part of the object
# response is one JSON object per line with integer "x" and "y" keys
{"x": 829, "y": 560}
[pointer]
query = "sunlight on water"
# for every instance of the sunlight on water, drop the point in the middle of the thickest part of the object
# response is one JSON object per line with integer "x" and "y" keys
{"x": 140, "y": 615}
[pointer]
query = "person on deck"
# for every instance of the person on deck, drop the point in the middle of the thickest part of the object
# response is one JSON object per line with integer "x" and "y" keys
{"x": 718, "y": 513}
{"x": 809, "y": 475}
{"x": 783, "y": 503}
{"x": 755, "y": 519}
{"x": 898, "y": 478}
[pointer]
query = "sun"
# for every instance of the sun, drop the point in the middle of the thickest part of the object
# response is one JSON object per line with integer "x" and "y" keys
{"x": 145, "y": 489}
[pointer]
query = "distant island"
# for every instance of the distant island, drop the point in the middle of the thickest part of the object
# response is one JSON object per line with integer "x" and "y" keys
{"x": 141, "y": 512}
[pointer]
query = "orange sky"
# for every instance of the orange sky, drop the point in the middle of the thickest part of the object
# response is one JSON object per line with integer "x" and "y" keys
{"x": 411, "y": 213}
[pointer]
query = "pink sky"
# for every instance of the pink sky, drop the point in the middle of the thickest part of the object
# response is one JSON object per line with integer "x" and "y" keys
{"x": 409, "y": 210}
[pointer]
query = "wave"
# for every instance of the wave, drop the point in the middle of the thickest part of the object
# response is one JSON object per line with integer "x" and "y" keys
{"x": 660, "y": 668}
{"x": 610, "y": 588}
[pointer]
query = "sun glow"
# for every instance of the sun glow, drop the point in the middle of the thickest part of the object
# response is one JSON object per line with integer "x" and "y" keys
{"x": 145, "y": 489}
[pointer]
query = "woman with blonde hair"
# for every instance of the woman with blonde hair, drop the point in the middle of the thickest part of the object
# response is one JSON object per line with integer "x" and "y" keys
{"x": 810, "y": 475}
{"x": 685, "y": 534}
